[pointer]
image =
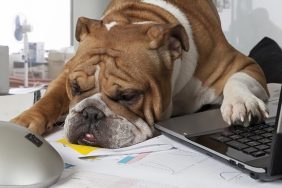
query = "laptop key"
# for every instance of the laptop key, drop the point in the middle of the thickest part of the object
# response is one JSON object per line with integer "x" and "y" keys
{"x": 267, "y": 151}
{"x": 249, "y": 150}
{"x": 237, "y": 131}
{"x": 256, "y": 137}
{"x": 244, "y": 140}
{"x": 271, "y": 123}
{"x": 235, "y": 137}
{"x": 267, "y": 135}
{"x": 269, "y": 144}
{"x": 265, "y": 126}
{"x": 269, "y": 129}
{"x": 225, "y": 133}
{"x": 258, "y": 153}
{"x": 253, "y": 143}
{"x": 261, "y": 126}
{"x": 262, "y": 147}
{"x": 264, "y": 140}
{"x": 237, "y": 145}
{"x": 247, "y": 134}
{"x": 220, "y": 138}
{"x": 252, "y": 128}
{"x": 259, "y": 131}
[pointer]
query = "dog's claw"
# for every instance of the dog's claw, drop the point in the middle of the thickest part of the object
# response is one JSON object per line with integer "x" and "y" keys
{"x": 242, "y": 118}
{"x": 250, "y": 117}
{"x": 266, "y": 115}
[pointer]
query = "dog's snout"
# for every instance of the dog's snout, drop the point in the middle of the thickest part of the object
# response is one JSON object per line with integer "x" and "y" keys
{"x": 92, "y": 114}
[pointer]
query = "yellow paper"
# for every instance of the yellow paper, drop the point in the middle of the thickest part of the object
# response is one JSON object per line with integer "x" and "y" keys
{"x": 84, "y": 150}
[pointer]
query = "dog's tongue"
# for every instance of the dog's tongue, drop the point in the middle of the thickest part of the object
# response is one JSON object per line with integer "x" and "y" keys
{"x": 89, "y": 137}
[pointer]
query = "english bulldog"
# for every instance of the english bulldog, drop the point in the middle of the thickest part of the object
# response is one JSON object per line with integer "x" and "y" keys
{"x": 143, "y": 62}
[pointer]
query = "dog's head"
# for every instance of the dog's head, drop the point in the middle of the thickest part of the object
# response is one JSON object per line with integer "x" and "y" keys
{"x": 119, "y": 81}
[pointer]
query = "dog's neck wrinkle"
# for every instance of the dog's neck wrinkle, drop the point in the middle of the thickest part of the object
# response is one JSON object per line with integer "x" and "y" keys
{"x": 140, "y": 12}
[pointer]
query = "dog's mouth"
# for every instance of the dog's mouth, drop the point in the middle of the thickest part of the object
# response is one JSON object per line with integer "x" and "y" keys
{"x": 87, "y": 139}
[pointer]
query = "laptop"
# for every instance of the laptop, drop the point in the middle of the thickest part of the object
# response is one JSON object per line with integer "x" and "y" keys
{"x": 256, "y": 149}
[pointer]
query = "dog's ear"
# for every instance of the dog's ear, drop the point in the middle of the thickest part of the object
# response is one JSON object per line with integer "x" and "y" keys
{"x": 83, "y": 27}
{"x": 175, "y": 35}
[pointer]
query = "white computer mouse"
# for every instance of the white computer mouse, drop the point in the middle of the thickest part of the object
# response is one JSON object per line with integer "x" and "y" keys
{"x": 26, "y": 159}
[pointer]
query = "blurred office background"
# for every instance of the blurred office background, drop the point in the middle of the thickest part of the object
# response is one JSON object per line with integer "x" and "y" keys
{"x": 244, "y": 22}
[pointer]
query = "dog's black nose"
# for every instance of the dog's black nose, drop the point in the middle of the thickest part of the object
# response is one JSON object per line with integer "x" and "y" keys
{"x": 92, "y": 114}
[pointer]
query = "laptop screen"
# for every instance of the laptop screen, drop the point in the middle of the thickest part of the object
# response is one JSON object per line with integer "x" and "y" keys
{"x": 279, "y": 116}
{"x": 275, "y": 166}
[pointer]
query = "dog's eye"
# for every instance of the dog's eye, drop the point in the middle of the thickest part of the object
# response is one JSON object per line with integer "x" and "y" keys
{"x": 128, "y": 97}
{"x": 75, "y": 88}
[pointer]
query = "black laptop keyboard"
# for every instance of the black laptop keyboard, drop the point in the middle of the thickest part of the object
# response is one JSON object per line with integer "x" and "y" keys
{"x": 254, "y": 140}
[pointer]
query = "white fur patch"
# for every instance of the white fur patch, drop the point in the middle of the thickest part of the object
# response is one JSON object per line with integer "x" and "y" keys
{"x": 144, "y": 128}
{"x": 110, "y": 25}
{"x": 184, "y": 69}
{"x": 243, "y": 97}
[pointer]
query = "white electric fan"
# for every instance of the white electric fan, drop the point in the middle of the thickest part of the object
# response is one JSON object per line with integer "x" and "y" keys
{"x": 21, "y": 30}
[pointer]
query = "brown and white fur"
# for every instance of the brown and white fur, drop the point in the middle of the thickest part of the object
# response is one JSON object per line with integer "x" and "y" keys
{"x": 150, "y": 60}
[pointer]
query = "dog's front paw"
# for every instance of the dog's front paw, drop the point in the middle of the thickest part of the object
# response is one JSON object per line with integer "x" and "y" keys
{"x": 33, "y": 120}
{"x": 241, "y": 110}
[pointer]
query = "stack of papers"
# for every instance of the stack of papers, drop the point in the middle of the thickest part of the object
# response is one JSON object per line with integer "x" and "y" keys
{"x": 158, "y": 162}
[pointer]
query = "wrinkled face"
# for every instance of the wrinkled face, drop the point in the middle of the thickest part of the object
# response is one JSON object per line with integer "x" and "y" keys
{"x": 119, "y": 82}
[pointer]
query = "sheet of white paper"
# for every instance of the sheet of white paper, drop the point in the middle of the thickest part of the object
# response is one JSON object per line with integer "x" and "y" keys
{"x": 182, "y": 167}
{"x": 87, "y": 179}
